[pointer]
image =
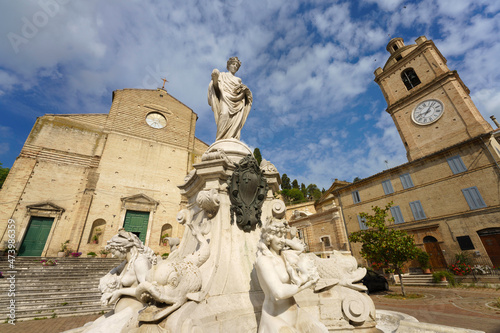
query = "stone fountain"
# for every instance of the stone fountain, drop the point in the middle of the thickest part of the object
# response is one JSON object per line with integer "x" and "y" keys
{"x": 215, "y": 281}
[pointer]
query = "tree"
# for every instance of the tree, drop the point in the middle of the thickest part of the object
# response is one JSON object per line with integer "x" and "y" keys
{"x": 390, "y": 247}
{"x": 285, "y": 182}
{"x": 257, "y": 155}
{"x": 356, "y": 179}
{"x": 294, "y": 195}
{"x": 3, "y": 174}
{"x": 295, "y": 184}
{"x": 313, "y": 192}
{"x": 303, "y": 189}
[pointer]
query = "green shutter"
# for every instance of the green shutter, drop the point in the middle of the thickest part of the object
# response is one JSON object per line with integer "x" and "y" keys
{"x": 36, "y": 237}
{"x": 137, "y": 223}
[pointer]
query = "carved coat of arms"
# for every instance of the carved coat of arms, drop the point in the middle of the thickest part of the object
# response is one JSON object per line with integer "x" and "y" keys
{"x": 247, "y": 192}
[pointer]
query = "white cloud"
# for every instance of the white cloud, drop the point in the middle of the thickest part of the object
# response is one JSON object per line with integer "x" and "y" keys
{"x": 388, "y": 5}
{"x": 309, "y": 65}
{"x": 4, "y": 148}
{"x": 7, "y": 81}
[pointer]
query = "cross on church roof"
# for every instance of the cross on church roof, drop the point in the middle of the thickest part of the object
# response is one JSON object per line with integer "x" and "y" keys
{"x": 164, "y": 81}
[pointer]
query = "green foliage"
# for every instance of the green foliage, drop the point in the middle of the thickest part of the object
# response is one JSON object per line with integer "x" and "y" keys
{"x": 437, "y": 276}
{"x": 293, "y": 196}
{"x": 93, "y": 254}
{"x": 313, "y": 192}
{"x": 380, "y": 244}
{"x": 3, "y": 174}
{"x": 463, "y": 257}
{"x": 303, "y": 189}
{"x": 291, "y": 191}
{"x": 356, "y": 179}
{"x": 285, "y": 182}
{"x": 462, "y": 264}
{"x": 64, "y": 246}
{"x": 257, "y": 155}
{"x": 423, "y": 259}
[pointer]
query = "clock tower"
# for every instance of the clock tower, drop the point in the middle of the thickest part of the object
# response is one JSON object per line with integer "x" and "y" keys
{"x": 428, "y": 102}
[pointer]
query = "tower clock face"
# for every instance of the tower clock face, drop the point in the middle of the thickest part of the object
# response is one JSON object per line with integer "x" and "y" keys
{"x": 156, "y": 120}
{"x": 427, "y": 112}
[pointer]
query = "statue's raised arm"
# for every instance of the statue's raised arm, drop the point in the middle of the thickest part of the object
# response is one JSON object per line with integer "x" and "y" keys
{"x": 230, "y": 100}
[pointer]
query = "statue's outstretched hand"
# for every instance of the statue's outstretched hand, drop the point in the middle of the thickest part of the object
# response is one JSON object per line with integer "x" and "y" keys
{"x": 215, "y": 74}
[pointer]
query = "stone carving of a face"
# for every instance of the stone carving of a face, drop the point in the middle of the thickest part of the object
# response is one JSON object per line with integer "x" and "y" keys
{"x": 276, "y": 243}
{"x": 233, "y": 66}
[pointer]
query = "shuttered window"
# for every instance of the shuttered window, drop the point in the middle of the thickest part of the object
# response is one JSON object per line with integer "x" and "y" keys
{"x": 456, "y": 164}
{"x": 406, "y": 181}
{"x": 361, "y": 221}
{"x": 397, "y": 215}
{"x": 387, "y": 185}
{"x": 473, "y": 197}
{"x": 355, "y": 197}
{"x": 417, "y": 210}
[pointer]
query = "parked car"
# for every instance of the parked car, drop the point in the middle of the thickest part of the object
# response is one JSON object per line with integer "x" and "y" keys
{"x": 375, "y": 282}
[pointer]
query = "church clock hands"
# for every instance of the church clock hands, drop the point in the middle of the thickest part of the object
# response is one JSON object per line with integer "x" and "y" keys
{"x": 427, "y": 112}
{"x": 156, "y": 120}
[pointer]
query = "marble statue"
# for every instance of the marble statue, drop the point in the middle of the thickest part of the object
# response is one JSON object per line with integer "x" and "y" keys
{"x": 170, "y": 283}
{"x": 230, "y": 100}
{"x": 173, "y": 242}
{"x": 282, "y": 274}
{"x": 120, "y": 283}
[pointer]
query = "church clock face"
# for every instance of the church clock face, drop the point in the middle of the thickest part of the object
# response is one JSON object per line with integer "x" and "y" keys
{"x": 427, "y": 112}
{"x": 156, "y": 120}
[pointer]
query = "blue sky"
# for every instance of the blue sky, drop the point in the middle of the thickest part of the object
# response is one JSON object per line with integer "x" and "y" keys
{"x": 317, "y": 114}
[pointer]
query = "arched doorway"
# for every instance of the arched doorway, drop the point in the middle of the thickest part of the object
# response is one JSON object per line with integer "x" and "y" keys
{"x": 432, "y": 247}
{"x": 490, "y": 238}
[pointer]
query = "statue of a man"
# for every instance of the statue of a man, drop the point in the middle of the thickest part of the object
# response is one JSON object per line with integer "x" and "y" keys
{"x": 230, "y": 100}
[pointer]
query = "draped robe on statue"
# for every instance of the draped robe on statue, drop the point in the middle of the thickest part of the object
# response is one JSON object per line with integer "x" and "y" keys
{"x": 231, "y": 106}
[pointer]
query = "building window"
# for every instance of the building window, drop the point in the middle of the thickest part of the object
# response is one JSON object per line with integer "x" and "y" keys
{"x": 387, "y": 185}
{"x": 406, "y": 181}
{"x": 417, "y": 210}
{"x": 355, "y": 197}
{"x": 410, "y": 78}
{"x": 301, "y": 233}
{"x": 473, "y": 197}
{"x": 399, "y": 57}
{"x": 362, "y": 221}
{"x": 456, "y": 164}
{"x": 326, "y": 241}
{"x": 397, "y": 215}
{"x": 465, "y": 243}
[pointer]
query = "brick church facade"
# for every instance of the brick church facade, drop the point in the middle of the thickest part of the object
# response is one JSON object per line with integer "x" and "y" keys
{"x": 81, "y": 177}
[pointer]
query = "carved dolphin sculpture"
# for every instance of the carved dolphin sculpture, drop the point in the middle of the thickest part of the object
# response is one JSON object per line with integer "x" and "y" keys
{"x": 173, "y": 242}
{"x": 171, "y": 283}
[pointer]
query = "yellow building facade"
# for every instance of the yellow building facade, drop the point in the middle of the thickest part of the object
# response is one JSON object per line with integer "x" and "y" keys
{"x": 448, "y": 195}
{"x": 81, "y": 177}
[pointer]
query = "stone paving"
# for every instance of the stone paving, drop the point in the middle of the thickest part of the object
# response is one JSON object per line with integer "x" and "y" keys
{"x": 51, "y": 325}
{"x": 456, "y": 307}
{"x": 470, "y": 308}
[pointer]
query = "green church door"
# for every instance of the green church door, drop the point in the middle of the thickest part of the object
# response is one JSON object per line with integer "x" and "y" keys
{"x": 137, "y": 223}
{"x": 36, "y": 236}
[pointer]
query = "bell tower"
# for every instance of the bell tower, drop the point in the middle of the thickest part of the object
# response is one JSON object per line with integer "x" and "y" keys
{"x": 428, "y": 102}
